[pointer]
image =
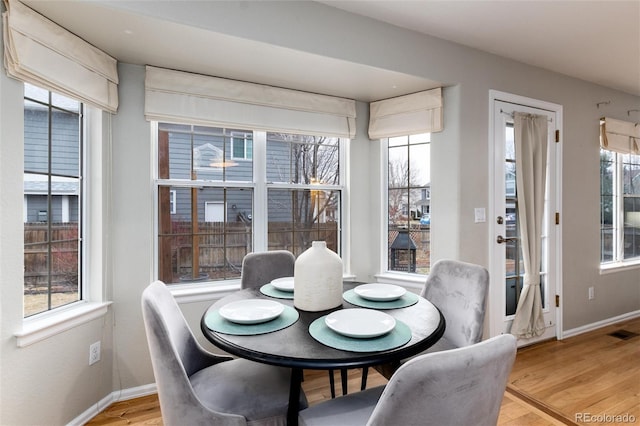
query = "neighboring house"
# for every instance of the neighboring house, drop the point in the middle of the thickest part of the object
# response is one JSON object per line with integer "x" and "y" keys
{"x": 64, "y": 166}
{"x": 218, "y": 157}
{"x": 64, "y": 204}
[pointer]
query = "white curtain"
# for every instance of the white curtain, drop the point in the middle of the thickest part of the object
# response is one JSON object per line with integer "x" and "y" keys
{"x": 531, "y": 164}
{"x": 406, "y": 115}
{"x": 40, "y": 52}
{"x": 177, "y": 96}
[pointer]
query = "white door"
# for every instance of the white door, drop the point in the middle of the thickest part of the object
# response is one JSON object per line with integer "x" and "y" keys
{"x": 505, "y": 246}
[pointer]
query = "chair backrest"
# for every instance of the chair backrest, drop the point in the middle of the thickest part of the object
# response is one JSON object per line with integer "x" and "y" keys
{"x": 459, "y": 290}
{"x": 261, "y": 268}
{"x": 175, "y": 355}
{"x": 463, "y": 386}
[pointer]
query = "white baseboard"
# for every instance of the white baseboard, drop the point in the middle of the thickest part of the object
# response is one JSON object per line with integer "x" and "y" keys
{"x": 116, "y": 396}
{"x": 599, "y": 324}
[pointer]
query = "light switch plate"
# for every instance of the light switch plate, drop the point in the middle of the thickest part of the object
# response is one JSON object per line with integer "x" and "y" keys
{"x": 480, "y": 214}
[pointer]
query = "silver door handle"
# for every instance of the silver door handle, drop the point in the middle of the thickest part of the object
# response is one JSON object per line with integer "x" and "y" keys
{"x": 501, "y": 239}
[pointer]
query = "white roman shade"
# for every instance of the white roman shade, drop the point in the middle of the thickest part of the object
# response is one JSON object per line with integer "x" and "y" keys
{"x": 406, "y": 115}
{"x": 620, "y": 136}
{"x": 176, "y": 96}
{"x": 40, "y": 52}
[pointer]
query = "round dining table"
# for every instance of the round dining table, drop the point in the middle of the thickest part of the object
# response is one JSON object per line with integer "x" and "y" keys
{"x": 295, "y": 347}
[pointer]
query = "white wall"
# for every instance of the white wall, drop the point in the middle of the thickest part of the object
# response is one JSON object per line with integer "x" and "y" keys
{"x": 54, "y": 372}
{"x": 49, "y": 382}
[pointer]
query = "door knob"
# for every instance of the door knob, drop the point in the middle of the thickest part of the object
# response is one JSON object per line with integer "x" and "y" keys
{"x": 501, "y": 239}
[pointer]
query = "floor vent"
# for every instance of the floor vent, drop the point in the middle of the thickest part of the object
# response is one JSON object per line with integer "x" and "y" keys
{"x": 623, "y": 334}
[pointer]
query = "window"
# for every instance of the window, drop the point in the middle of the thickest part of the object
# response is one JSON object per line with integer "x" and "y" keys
{"x": 619, "y": 207}
{"x": 409, "y": 204}
{"x": 241, "y": 146}
{"x": 206, "y": 202}
{"x": 304, "y": 192}
{"x": 53, "y": 152}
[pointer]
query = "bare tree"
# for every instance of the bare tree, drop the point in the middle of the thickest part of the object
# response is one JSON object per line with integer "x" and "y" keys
{"x": 404, "y": 189}
{"x": 312, "y": 160}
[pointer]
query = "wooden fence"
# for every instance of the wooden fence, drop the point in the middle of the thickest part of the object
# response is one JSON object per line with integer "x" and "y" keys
{"x": 222, "y": 246}
{"x": 58, "y": 267}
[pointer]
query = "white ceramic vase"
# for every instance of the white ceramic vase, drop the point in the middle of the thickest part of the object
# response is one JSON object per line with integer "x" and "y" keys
{"x": 317, "y": 279}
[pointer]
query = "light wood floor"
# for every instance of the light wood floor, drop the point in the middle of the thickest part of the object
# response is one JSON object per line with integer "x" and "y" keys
{"x": 587, "y": 379}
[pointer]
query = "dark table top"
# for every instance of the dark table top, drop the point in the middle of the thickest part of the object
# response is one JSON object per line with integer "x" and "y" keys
{"x": 294, "y": 347}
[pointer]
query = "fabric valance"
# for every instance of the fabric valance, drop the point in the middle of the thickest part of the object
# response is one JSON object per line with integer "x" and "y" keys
{"x": 40, "y": 52}
{"x": 177, "y": 96}
{"x": 620, "y": 136}
{"x": 406, "y": 115}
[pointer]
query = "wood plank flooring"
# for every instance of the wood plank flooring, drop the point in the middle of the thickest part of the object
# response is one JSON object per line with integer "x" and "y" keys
{"x": 573, "y": 381}
{"x": 595, "y": 374}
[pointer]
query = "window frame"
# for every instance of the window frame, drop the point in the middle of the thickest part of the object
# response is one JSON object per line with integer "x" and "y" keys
{"x": 618, "y": 233}
{"x": 386, "y": 274}
{"x": 93, "y": 306}
{"x": 260, "y": 185}
{"x": 51, "y": 107}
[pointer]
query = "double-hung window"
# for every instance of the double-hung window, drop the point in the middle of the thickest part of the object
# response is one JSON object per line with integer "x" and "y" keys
{"x": 212, "y": 210}
{"x": 52, "y": 203}
{"x": 409, "y": 203}
{"x": 619, "y": 207}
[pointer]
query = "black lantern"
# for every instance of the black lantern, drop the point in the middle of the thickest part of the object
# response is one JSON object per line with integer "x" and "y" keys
{"x": 403, "y": 252}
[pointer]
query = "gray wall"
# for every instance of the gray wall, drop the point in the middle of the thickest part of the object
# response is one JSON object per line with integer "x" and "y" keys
{"x": 54, "y": 372}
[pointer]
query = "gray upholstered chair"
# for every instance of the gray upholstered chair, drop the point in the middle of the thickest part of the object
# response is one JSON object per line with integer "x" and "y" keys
{"x": 262, "y": 268}
{"x": 462, "y": 386}
{"x": 196, "y": 387}
{"x": 459, "y": 290}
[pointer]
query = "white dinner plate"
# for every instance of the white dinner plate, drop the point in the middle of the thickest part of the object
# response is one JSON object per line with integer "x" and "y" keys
{"x": 251, "y": 311}
{"x": 283, "y": 284}
{"x": 380, "y": 292}
{"x": 360, "y": 323}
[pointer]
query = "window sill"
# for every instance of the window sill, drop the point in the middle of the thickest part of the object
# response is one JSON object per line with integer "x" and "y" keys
{"x": 190, "y": 293}
{"x": 619, "y": 267}
{"x": 50, "y": 324}
{"x": 409, "y": 281}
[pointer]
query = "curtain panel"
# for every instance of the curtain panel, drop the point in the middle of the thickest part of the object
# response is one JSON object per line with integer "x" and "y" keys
{"x": 176, "y": 96}
{"x": 40, "y": 52}
{"x": 406, "y": 115}
{"x": 620, "y": 136}
{"x": 531, "y": 145}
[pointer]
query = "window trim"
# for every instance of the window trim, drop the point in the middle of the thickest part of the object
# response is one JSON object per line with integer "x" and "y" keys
{"x": 47, "y": 324}
{"x": 618, "y": 263}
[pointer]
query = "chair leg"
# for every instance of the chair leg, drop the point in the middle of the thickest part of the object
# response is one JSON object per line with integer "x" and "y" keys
{"x": 343, "y": 376}
{"x": 332, "y": 384}
{"x": 365, "y": 372}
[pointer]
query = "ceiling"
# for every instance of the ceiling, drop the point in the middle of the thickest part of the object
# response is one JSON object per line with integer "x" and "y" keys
{"x": 597, "y": 41}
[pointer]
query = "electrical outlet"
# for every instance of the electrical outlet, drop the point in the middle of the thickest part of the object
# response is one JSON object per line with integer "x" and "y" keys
{"x": 94, "y": 353}
{"x": 592, "y": 293}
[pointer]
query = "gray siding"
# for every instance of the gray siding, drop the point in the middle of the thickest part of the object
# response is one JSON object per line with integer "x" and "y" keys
{"x": 65, "y": 160}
